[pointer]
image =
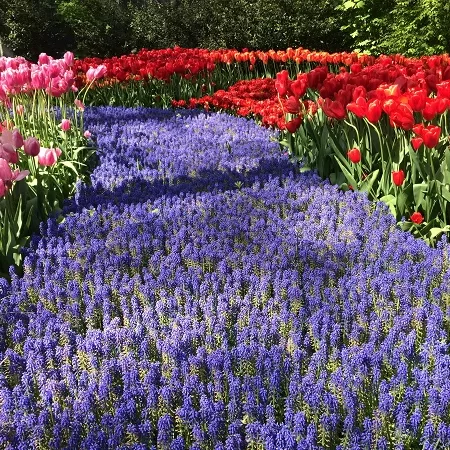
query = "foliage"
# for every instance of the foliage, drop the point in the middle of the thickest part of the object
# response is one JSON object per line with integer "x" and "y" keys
{"x": 261, "y": 24}
{"x": 29, "y": 27}
{"x": 99, "y": 28}
{"x": 412, "y": 28}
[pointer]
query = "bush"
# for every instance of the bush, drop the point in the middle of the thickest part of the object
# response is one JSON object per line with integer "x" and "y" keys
{"x": 412, "y": 28}
{"x": 260, "y": 24}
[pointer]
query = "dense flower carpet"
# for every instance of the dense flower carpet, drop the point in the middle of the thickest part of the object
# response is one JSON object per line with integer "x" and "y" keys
{"x": 203, "y": 294}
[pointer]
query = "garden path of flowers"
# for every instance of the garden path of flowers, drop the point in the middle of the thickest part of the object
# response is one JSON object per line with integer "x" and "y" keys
{"x": 203, "y": 294}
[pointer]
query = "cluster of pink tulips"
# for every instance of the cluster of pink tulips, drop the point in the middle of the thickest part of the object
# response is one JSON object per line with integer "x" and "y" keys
{"x": 39, "y": 101}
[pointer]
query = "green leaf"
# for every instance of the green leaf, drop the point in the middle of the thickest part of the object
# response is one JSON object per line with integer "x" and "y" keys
{"x": 435, "y": 232}
{"x": 447, "y": 162}
{"x": 367, "y": 183}
{"x": 443, "y": 190}
{"x": 390, "y": 201}
{"x": 70, "y": 165}
{"x": 348, "y": 4}
{"x": 347, "y": 174}
{"x": 418, "y": 191}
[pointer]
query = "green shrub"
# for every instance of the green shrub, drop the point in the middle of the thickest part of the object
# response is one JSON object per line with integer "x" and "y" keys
{"x": 409, "y": 27}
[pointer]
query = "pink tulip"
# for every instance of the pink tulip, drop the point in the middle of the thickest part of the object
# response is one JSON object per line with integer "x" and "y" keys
{"x": 20, "y": 109}
{"x": 4, "y": 154}
{"x": 96, "y": 73}
{"x": 43, "y": 59}
{"x": 68, "y": 59}
{"x": 5, "y": 170}
{"x": 19, "y": 174}
{"x": 48, "y": 156}
{"x": 65, "y": 125}
{"x": 7, "y": 141}
{"x": 79, "y": 104}
{"x": 31, "y": 146}
{"x": 13, "y": 158}
{"x": 38, "y": 80}
{"x": 3, "y": 188}
{"x": 87, "y": 134}
{"x": 17, "y": 138}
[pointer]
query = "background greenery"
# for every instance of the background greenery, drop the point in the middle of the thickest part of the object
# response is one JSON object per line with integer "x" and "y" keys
{"x": 107, "y": 28}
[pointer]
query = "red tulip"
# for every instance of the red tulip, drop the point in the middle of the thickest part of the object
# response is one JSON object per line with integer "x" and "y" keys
{"x": 374, "y": 111}
{"x": 282, "y": 83}
{"x": 441, "y": 105}
{"x": 354, "y": 155}
{"x": 359, "y": 91}
{"x": 398, "y": 177}
{"x": 430, "y": 110}
{"x": 359, "y": 107}
{"x": 443, "y": 89}
{"x": 298, "y": 87}
{"x": 402, "y": 116}
{"x": 292, "y": 105}
{"x": 431, "y": 135}
{"x": 416, "y": 143}
{"x": 418, "y": 101}
{"x": 417, "y": 218}
{"x": 293, "y": 124}
{"x": 333, "y": 109}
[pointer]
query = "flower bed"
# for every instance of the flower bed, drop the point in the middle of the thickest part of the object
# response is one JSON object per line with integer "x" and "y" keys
{"x": 284, "y": 314}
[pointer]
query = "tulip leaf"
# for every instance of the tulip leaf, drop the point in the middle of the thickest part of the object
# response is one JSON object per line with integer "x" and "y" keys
{"x": 18, "y": 216}
{"x": 390, "y": 201}
{"x": 442, "y": 190}
{"x": 347, "y": 174}
{"x": 70, "y": 165}
{"x": 435, "y": 232}
{"x": 402, "y": 200}
{"x": 367, "y": 183}
{"x": 418, "y": 192}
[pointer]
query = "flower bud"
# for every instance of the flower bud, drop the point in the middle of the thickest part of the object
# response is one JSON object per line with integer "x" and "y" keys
{"x": 31, "y": 146}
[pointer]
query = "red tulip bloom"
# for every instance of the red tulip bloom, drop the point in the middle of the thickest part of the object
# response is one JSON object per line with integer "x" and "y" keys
{"x": 354, "y": 155}
{"x": 282, "y": 83}
{"x": 298, "y": 87}
{"x": 430, "y": 110}
{"x": 293, "y": 124}
{"x": 402, "y": 117}
{"x": 431, "y": 135}
{"x": 359, "y": 91}
{"x": 443, "y": 89}
{"x": 418, "y": 100}
{"x": 333, "y": 109}
{"x": 358, "y": 107}
{"x": 416, "y": 143}
{"x": 416, "y": 217}
{"x": 374, "y": 111}
{"x": 398, "y": 177}
{"x": 292, "y": 105}
{"x": 441, "y": 105}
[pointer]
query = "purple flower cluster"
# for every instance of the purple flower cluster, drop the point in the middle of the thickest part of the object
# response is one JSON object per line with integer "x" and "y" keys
{"x": 146, "y": 153}
{"x": 282, "y": 314}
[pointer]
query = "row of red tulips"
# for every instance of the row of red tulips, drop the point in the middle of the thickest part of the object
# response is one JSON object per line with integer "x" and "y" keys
{"x": 381, "y": 129}
{"x": 163, "y": 64}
